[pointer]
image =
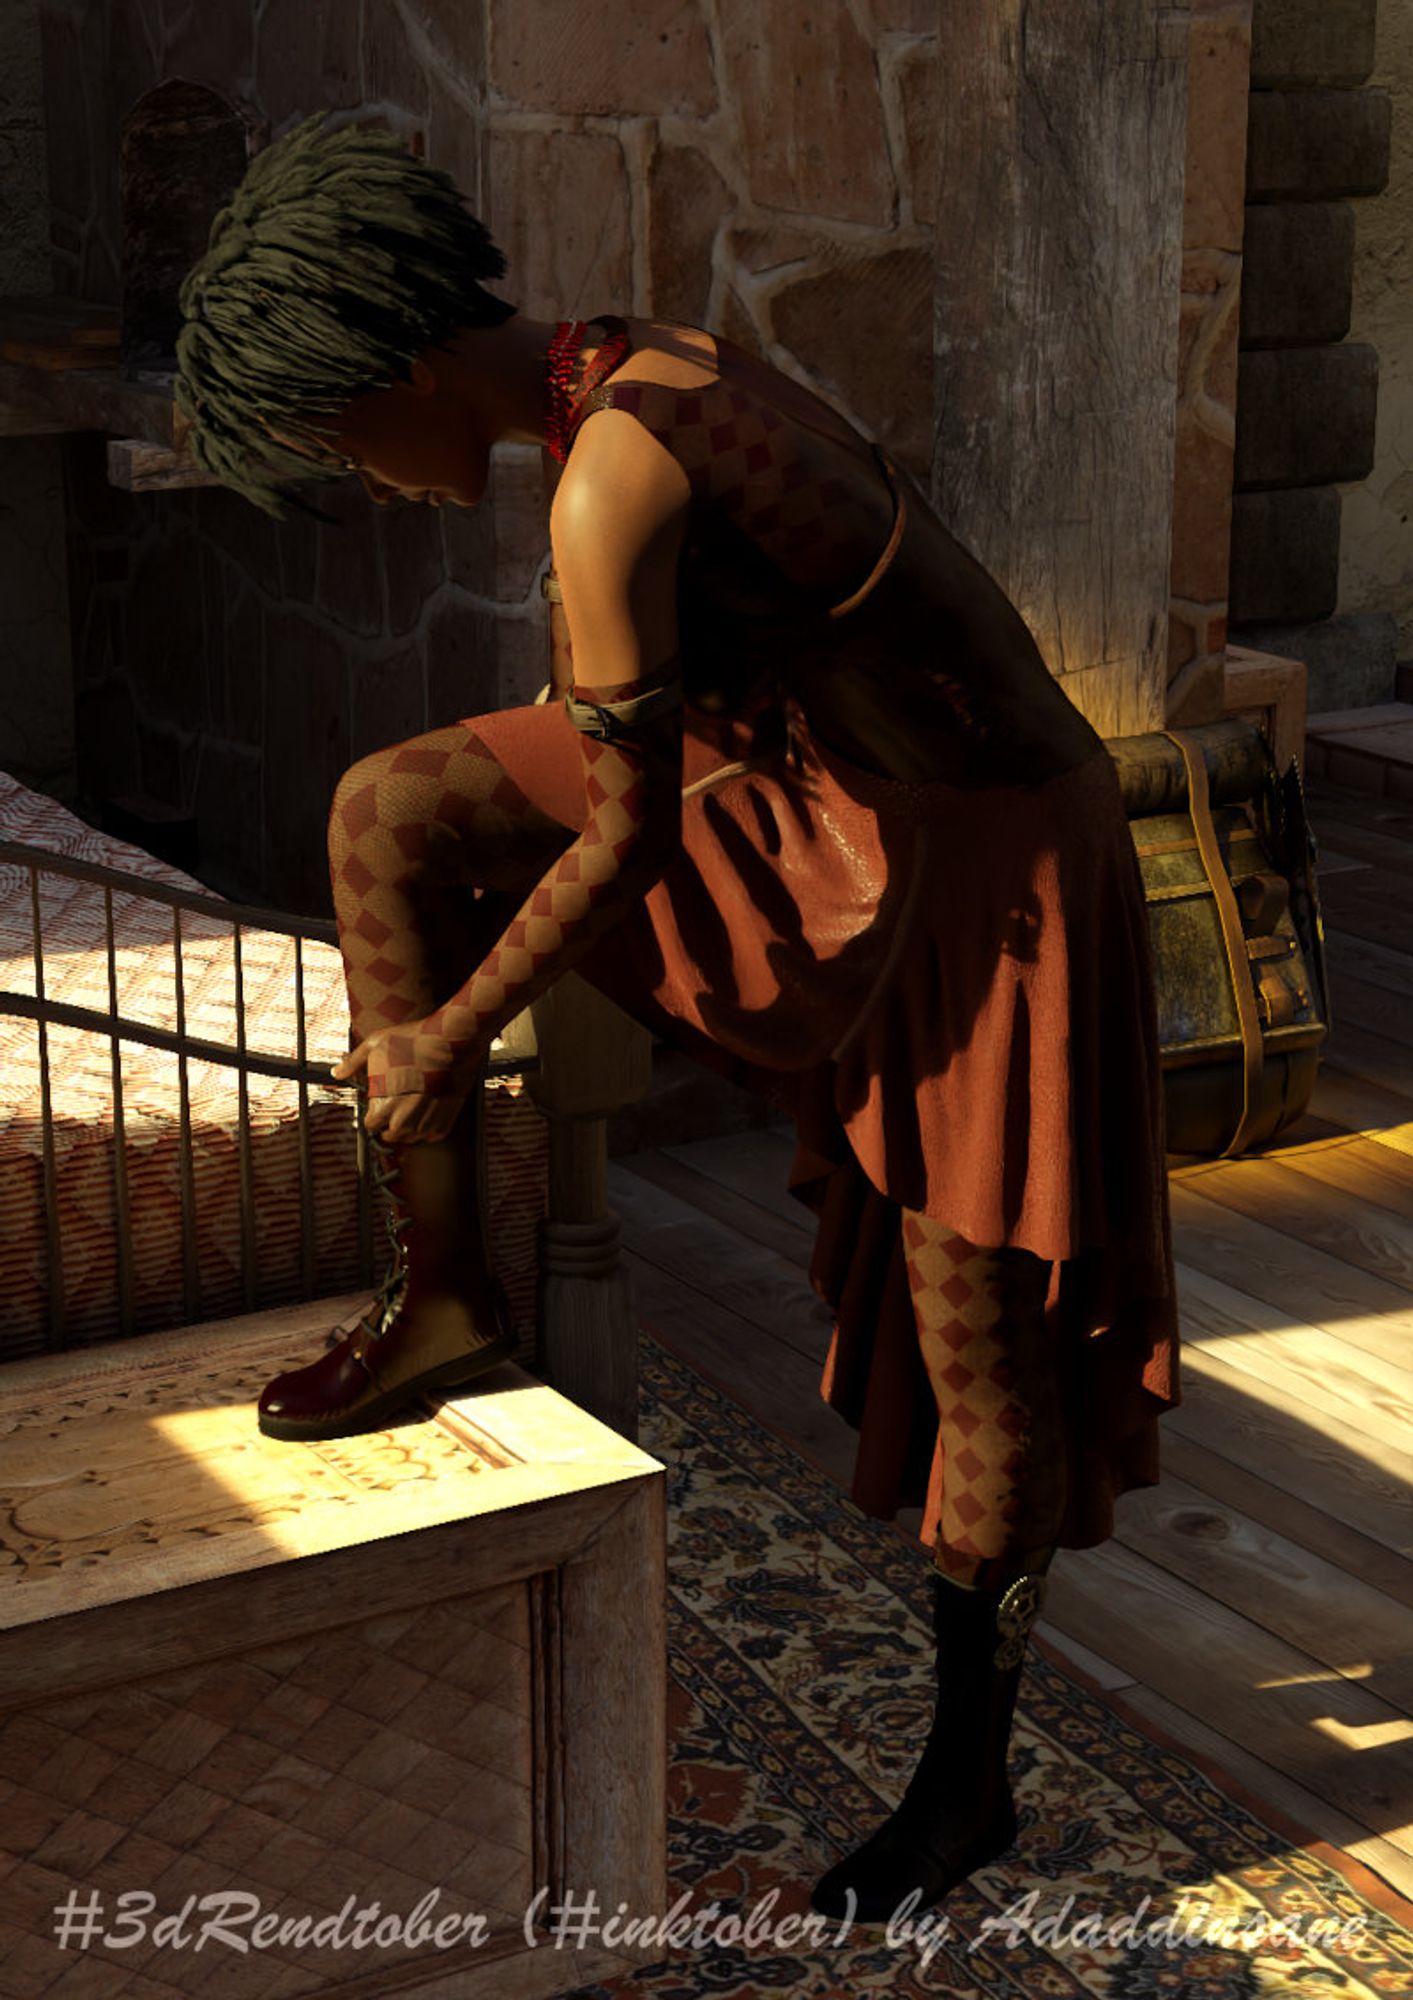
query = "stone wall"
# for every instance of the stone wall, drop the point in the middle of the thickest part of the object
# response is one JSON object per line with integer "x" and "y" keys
{"x": 766, "y": 171}
{"x": 36, "y": 676}
{"x": 1309, "y": 388}
{"x": 1376, "y": 542}
{"x": 1214, "y": 192}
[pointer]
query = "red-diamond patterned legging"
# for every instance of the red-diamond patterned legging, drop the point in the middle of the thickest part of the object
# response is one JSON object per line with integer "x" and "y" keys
{"x": 434, "y": 853}
{"x": 413, "y": 831}
{"x": 980, "y": 1317}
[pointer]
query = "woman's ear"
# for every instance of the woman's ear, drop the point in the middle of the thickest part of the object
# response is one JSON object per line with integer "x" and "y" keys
{"x": 424, "y": 379}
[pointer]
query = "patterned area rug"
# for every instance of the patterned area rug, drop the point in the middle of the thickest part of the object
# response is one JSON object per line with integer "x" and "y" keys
{"x": 800, "y": 1691}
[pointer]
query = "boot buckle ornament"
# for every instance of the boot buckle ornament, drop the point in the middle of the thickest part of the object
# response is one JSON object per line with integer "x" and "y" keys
{"x": 1015, "y": 1614}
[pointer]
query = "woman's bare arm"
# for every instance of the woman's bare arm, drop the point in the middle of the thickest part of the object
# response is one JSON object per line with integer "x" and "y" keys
{"x": 616, "y": 526}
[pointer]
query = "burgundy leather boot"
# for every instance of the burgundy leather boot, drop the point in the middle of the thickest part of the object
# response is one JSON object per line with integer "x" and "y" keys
{"x": 439, "y": 1318}
{"x": 958, "y": 1811}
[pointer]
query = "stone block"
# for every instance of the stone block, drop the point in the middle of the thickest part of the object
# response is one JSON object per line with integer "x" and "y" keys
{"x": 24, "y": 242}
{"x": 557, "y": 204}
{"x": 307, "y": 58}
{"x": 297, "y": 553}
{"x": 69, "y": 138}
{"x": 687, "y": 199}
{"x": 250, "y": 538}
{"x": 904, "y": 17}
{"x": 652, "y": 57}
{"x": 108, "y": 758}
{"x": 1182, "y": 639}
{"x": 1208, "y": 312}
{"x": 130, "y": 66}
{"x": 522, "y": 657}
{"x": 1284, "y": 558}
{"x": 412, "y": 559}
{"x": 1351, "y": 657}
{"x": 100, "y": 279}
{"x": 1305, "y": 415}
{"x": 810, "y": 114}
{"x": 1297, "y": 271}
{"x": 164, "y": 643}
{"x": 469, "y": 540}
{"x": 306, "y": 753}
{"x": 349, "y": 587}
{"x": 1309, "y": 145}
{"x": 100, "y": 509}
{"x": 388, "y": 699}
{"x": 864, "y": 329}
{"x": 1218, "y": 84}
{"x": 736, "y": 323}
{"x": 451, "y": 36}
{"x": 229, "y": 805}
{"x": 454, "y": 138}
{"x": 213, "y": 45}
{"x": 1312, "y": 41}
{"x": 920, "y": 99}
{"x": 392, "y": 72}
{"x": 168, "y": 765}
{"x": 36, "y": 658}
{"x": 1199, "y": 699}
{"x": 519, "y": 519}
{"x": 1202, "y": 488}
{"x": 242, "y": 669}
{"x": 462, "y": 672}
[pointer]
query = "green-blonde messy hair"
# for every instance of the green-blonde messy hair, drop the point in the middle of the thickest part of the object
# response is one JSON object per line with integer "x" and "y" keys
{"x": 339, "y": 258}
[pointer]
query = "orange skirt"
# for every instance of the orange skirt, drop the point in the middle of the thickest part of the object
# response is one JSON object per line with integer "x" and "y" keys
{"x": 952, "y": 993}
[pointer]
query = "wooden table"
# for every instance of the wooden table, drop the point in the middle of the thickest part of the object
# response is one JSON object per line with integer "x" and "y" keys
{"x": 425, "y": 1663}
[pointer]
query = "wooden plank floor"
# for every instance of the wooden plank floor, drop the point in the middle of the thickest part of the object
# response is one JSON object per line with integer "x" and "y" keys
{"x": 1258, "y": 1603}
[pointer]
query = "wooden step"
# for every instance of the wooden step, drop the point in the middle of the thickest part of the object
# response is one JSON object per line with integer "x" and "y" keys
{"x": 1369, "y": 749}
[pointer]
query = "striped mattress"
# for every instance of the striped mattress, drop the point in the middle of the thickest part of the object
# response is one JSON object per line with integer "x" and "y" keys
{"x": 72, "y": 928}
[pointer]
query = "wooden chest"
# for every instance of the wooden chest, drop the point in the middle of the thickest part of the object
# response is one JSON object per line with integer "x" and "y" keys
{"x": 256, "y": 1688}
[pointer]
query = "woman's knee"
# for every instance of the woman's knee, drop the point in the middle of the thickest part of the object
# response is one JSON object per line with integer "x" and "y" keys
{"x": 441, "y": 804}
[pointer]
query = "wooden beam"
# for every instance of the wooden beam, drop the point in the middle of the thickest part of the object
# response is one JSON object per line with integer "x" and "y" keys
{"x": 35, "y": 401}
{"x": 139, "y": 467}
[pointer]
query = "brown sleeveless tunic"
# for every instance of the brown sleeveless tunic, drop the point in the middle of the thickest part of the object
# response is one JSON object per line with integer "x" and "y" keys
{"x": 920, "y": 929}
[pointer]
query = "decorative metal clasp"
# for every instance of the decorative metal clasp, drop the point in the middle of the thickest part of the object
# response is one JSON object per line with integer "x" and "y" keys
{"x": 1015, "y": 1614}
{"x": 590, "y": 718}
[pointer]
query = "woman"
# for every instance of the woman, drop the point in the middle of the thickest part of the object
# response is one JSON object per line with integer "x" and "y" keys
{"x": 815, "y": 808}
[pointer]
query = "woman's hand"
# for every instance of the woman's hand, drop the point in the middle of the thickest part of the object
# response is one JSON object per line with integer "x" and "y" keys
{"x": 408, "y": 1115}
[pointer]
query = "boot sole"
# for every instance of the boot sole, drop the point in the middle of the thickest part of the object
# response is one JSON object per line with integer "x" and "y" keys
{"x": 369, "y": 1416}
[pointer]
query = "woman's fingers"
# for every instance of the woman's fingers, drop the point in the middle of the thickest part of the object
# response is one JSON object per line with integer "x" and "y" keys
{"x": 353, "y": 1062}
{"x": 413, "y": 1117}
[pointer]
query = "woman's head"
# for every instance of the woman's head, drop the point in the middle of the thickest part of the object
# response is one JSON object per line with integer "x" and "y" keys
{"x": 340, "y": 259}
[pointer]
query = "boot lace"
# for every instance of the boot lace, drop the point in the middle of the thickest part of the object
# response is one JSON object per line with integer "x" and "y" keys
{"x": 387, "y": 1298}
{"x": 389, "y": 1294}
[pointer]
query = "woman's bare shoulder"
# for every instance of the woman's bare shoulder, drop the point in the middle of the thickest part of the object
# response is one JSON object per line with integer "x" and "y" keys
{"x": 670, "y": 354}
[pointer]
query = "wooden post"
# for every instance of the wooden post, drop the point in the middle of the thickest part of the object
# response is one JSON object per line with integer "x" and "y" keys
{"x": 593, "y": 1060}
{"x": 1059, "y": 245}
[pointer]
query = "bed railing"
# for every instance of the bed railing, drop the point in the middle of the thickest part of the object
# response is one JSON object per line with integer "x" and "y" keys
{"x": 235, "y": 1055}
{"x": 582, "y": 1060}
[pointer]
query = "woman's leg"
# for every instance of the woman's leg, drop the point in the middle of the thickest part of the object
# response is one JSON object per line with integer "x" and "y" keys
{"x": 980, "y": 1317}
{"x": 412, "y": 830}
{"x": 432, "y": 849}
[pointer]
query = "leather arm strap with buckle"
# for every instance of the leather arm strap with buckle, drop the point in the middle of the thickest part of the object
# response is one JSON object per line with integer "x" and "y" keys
{"x": 614, "y": 721}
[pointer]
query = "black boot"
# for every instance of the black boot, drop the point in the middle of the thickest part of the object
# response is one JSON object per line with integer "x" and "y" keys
{"x": 957, "y": 1812}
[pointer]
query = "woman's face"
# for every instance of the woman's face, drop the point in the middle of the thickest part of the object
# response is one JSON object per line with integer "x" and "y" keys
{"x": 414, "y": 440}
